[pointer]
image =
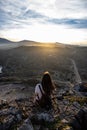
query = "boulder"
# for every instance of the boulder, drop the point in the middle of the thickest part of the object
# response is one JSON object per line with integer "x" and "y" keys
{"x": 27, "y": 125}
{"x": 83, "y": 87}
{"x": 80, "y": 120}
{"x": 41, "y": 118}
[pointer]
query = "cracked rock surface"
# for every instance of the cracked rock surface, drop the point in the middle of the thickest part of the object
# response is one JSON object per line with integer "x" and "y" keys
{"x": 20, "y": 113}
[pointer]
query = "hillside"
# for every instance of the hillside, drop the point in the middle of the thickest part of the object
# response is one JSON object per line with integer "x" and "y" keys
{"x": 31, "y": 61}
{"x": 2, "y": 40}
{"x": 22, "y": 69}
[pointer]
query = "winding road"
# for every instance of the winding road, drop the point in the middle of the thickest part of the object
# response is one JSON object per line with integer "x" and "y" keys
{"x": 77, "y": 75}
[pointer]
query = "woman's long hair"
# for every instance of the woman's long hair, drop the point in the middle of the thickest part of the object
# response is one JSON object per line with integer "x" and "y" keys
{"x": 47, "y": 83}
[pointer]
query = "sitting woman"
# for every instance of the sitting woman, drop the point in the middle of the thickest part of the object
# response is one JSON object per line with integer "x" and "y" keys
{"x": 43, "y": 92}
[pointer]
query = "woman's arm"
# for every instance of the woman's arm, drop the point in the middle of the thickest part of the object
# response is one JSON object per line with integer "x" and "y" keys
{"x": 36, "y": 93}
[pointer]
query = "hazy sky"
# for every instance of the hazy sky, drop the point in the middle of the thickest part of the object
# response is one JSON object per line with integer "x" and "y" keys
{"x": 44, "y": 20}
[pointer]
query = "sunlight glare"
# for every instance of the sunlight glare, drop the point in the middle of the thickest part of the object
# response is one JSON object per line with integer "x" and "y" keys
{"x": 46, "y": 33}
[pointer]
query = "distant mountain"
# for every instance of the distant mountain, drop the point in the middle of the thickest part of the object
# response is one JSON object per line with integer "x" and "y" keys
{"x": 3, "y": 40}
{"x": 31, "y": 43}
{"x": 25, "y": 41}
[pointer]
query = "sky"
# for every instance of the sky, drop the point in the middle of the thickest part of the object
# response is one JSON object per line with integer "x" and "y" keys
{"x": 44, "y": 20}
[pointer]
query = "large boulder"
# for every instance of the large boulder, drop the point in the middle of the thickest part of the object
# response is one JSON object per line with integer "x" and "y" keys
{"x": 83, "y": 87}
{"x": 27, "y": 125}
{"x": 80, "y": 120}
{"x": 42, "y": 117}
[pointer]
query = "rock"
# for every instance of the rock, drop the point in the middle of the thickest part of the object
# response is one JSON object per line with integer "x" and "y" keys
{"x": 42, "y": 119}
{"x": 77, "y": 105}
{"x": 67, "y": 128}
{"x": 45, "y": 116}
{"x": 37, "y": 127}
{"x": 7, "y": 123}
{"x": 1, "y": 69}
{"x": 15, "y": 111}
{"x": 83, "y": 87}
{"x": 19, "y": 117}
{"x": 42, "y": 128}
{"x": 10, "y": 116}
{"x": 27, "y": 125}
{"x": 71, "y": 92}
{"x": 22, "y": 88}
{"x": 64, "y": 121}
{"x": 66, "y": 102}
{"x": 3, "y": 103}
{"x": 1, "y": 127}
{"x": 75, "y": 124}
{"x": 60, "y": 97}
{"x": 10, "y": 111}
{"x": 80, "y": 121}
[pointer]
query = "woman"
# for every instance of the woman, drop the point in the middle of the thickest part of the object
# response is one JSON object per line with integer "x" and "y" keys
{"x": 44, "y": 90}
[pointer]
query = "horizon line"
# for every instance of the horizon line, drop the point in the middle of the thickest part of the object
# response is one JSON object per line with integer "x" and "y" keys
{"x": 50, "y": 42}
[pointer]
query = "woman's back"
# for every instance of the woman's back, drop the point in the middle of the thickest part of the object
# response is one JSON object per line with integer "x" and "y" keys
{"x": 44, "y": 90}
{"x": 38, "y": 92}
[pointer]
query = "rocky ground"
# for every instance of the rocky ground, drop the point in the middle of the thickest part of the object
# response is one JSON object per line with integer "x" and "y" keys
{"x": 17, "y": 111}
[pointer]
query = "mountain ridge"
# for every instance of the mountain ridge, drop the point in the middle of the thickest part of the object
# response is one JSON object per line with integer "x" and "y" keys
{"x": 3, "y": 40}
{"x": 78, "y": 44}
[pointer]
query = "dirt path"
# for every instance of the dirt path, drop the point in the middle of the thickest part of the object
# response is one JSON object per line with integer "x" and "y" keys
{"x": 77, "y": 76}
